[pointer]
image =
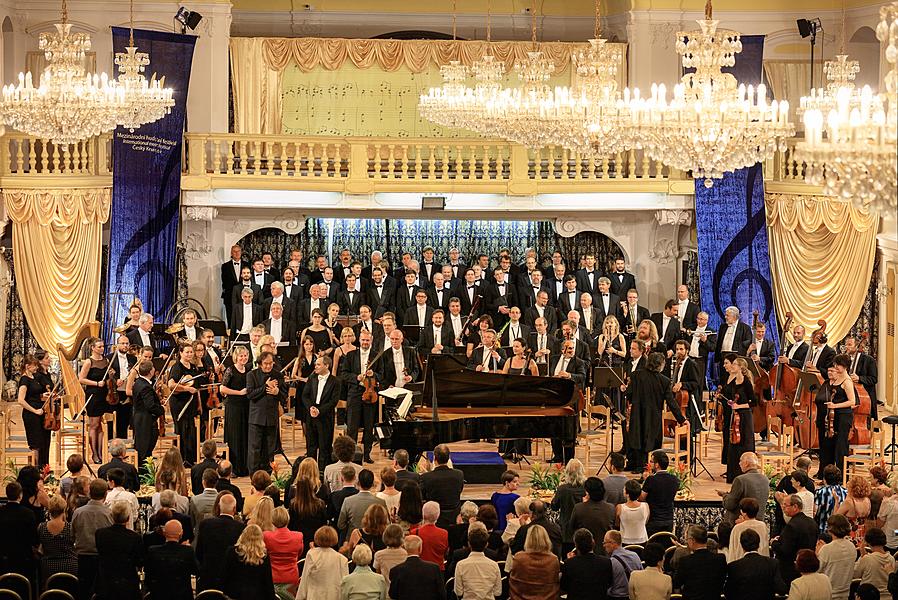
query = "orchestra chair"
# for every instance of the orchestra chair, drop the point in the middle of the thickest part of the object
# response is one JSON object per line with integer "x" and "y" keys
{"x": 341, "y": 405}
{"x": 16, "y": 583}
{"x": 861, "y": 461}
{"x": 69, "y": 439}
{"x": 10, "y": 595}
{"x": 588, "y": 435}
{"x": 165, "y": 442}
{"x": 56, "y": 595}
{"x": 64, "y": 582}
{"x": 637, "y": 548}
{"x": 287, "y": 422}
{"x": 213, "y": 432}
{"x": 680, "y": 440}
{"x": 12, "y": 449}
{"x": 105, "y": 438}
{"x": 211, "y": 595}
{"x": 665, "y": 538}
{"x": 782, "y": 454}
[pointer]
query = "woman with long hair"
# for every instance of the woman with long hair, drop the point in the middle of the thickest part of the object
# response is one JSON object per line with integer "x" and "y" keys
{"x": 321, "y": 335}
{"x": 374, "y": 521}
{"x": 567, "y": 496}
{"x": 172, "y": 463}
{"x": 307, "y": 511}
{"x": 93, "y": 375}
{"x": 302, "y": 370}
{"x": 183, "y": 380}
{"x": 535, "y": 570}
{"x": 30, "y": 398}
{"x": 347, "y": 345}
{"x": 236, "y": 423}
{"x": 612, "y": 345}
{"x": 856, "y": 507}
{"x": 262, "y": 514}
{"x": 247, "y": 568}
{"x": 79, "y": 495}
{"x": 330, "y": 321}
{"x": 410, "y": 506}
{"x": 738, "y": 395}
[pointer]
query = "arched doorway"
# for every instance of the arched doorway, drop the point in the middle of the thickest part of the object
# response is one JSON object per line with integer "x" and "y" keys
{"x": 865, "y": 48}
{"x": 9, "y": 51}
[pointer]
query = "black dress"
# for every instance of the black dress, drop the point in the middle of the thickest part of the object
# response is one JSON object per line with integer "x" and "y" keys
{"x": 321, "y": 338}
{"x": 236, "y": 424}
{"x": 94, "y": 396}
{"x": 38, "y": 437}
{"x": 306, "y": 368}
{"x": 733, "y": 452}
{"x": 185, "y": 425}
{"x": 58, "y": 554}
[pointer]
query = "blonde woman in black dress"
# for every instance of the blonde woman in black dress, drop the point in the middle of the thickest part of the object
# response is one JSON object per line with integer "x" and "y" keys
{"x": 94, "y": 372}
{"x": 236, "y": 424}
{"x": 739, "y": 394}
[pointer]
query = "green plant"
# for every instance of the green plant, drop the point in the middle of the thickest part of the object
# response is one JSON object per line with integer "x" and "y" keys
{"x": 148, "y": 474}
{"x": 13, "y": 469}
{"x": 546, "y": 478}
{"x": 682, "y": 472}
{"x": 280, "y": 479}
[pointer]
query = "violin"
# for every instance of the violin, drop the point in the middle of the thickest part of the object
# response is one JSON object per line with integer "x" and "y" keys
{"x": 111, "y": 388}
{"x": 52, "y": 410}
{"x": 735, "y": 418}
{"x": 212, "y": 401}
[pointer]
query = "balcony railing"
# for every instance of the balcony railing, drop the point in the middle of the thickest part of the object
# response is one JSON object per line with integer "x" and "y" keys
{"x": 25, "y": 156}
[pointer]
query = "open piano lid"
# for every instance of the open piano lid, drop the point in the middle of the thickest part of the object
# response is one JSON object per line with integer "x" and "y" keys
{"x": 460, "y": 387}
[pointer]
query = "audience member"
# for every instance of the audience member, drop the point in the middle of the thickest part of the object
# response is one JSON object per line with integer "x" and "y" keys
{"x": 120, "y": 555}
{"x": 20, "y": 534}
{"x": 623, "y": 563}
{"x": 434, "y": 539}
{"x": 810, "y": 585}
{"x": 800, "y": 533}
{"x": 117, "y": 450}
{"x": 209, "y": 450}
{"x": 659, "y": 491}
{"x": 413, "y": 578}
{"x": 748, "y": 519}
{"x": 169, "y": 567}
{"x": 537, "y": 516}
{"x": 486, "y": 514}
{"x": 118, "y": 493}
{"x": 443, "y": 485}
{"x": 344, "y": 450}
{"x": 363, "y": 583}
{"x": 802, "y": 463}
{"x": 754, "y": 576}
{"x": 888, "y": 517}
{"x": 504, "y": 499}
{"x": 616, "y": 479}
{"x": 225, "y": 471}
{"x": 201, "y": 505}
{"x": 262, "y": 514}
{"x": 57, "y": 541}
{"x": 750, "y": 484}
{"x": 651, "y": 583}
{"x": 856, "y": 507}
{"x": 477, "y": 577}
{"x": 866, "y": 591}
{"x": 260, "y": 480}
{"x": 75, "y": 466}
{"x": 355, "y": 506}
{"x": 324, "y": 568}
{"x": 166, "y": 481}
{"x": 393, "y": 554}
{"x": 458, "y": 531}
{"x": 585, "y": 575}
{"x": 85, "y": 522}
{"x": 593, "y": 513}
{"x": 410, "y": 505}
{"x": 804, "y": 489}
{"x": 535, "y": 572}
{"x": 338, "y": 496}
{"x": 247, "y": 568}
{"x": 308, "y": 512}
{"x": 828, "y": 496}
{"x": 701, "y": 574}
{"x": 837, "y": 557}
{"x": 78, "y": 496}
{"x": 632, "y": 515}
{"x": 34, "y": 496}
{"x": 568, "y": 495}
{"x": 214, "y": 536}
{"x": 374, "y": 521}
{"x": 389, "y": 494}
{"x": 874, "y": 566}
{"x": 401, "y": 466}
{"x": 168, "y": 500}
{"x": 284, "y": 549}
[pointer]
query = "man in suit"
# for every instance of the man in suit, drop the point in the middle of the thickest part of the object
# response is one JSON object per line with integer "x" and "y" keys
{"x": 354, "y": 507}
{"x": 295, "y": 286}
{"x": 498, "y": 297}
{"x": 280, "y": 328}
{"x": 169, "y": 567}
{"x": 557, "y": 260}
{"x": 456, "y": 263}
{"x": 214, "y": 536}
{"x": 436, "y": 336}
{"x": 225, "y": 471}
{"x": 317, "y": 274}
{"x": 531, "y": 285}
{"x": 209, "y": 450}
{"x": 246, "y": 281}
{"x": 750, "y": 484}
{"x": 630, "y": 314}
{"x": 701, "y": 574}
{"x": 380, "y": 295}
{"x": 319, "y": 397}
{"x": 366, "y": 323}
{"x": 399, "y": 365}
{"x": 543, "y": 344}
{"x": 437, "y": 294}
{"x": 354, "y": 368}
{"x": 566, "y": 366}
{"x": 684, "y": 375}
{"x": 542, "y": 310}
{"x": 376, "y": 257}
{"x": 820, "y": 356}
{"x": 230, "y": 276}
{"x": 278, "y": 297}
{"x": 120, "y": 554}
{"x": 429, "y": 267}
{"x": 799, "y": 533}
{"x": 863, "y": 371}
{"x": 753, "y": 577}
{"x": 795, "y": 353}
{"x": 589, "y": 316}
{"x": 400, "y": 465}
{"x": 418, "y": 314}
{"x": 122, "y": 363}
{"x": 146, "y": 412}
{"x": 594, "y": 513}
{"x": 266, "y": 392}
{"x": 487, "y": 358}
{"x": 469, "y": 292}
{"x": 668, "y": 326}
{"x": 555, "y": 283}
{"x": 343, "y": 266}
{"x": 570, "y": 330}
{"x": 416, "y": 579}
{"x": 350, "y": 299}
{"x": 570, "y": 299}
{"x": 621, "y": 280}
{"x": 332, "y": 287}
{"x": 538, "y": 516}
{"x": 269, "y": 266}
{"x": 734, "y": 337}
{"x": 514, "y": 329}
{"x": 406, "y": 295}
{"x": 247, "y": 314}
{"x": 443, "y": 485}
{"x": 261, "y": 278}
{"x": 605, "y": 303}
{"x": 687, "y": 311}
{"x": 142, "y": 336}
{"x": 701, "y": 342}
{"x": 117, "y": 448}
{"x": 761, "y": 350}
{"x": 19, "y": 542}
{"x": 455, "y": 322}
{"x": 338, "y": 497}
{"x": 314, "y": 302}
{"x": 588, "y": 276}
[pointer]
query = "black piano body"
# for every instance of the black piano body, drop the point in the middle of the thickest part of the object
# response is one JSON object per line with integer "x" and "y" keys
{"x": 474, "y": 405}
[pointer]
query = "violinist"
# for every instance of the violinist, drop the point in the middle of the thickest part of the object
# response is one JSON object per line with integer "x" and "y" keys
{"x": 146, "y": 354}
{"x": 214, "y": 354}
{"x": 183, "y": 382}
{"x": 836, "y": 400}
{"x": 30, "y": 398}
{"x": 147, "y": 410}
{"x": 95, "y": 370}
{"x": 43, "y": 375}
{"x": 355, "y": 369}
{"x": 122, "y": 363}
{"x": 684, "y": 375}
{"x": 796, "y": 352}
{"x": 488, "y": 357}
{"x": 302, "y": 370}
{"x": 365, "y": 321}
{"x": 738, "y": 398}
{"x": 761, "y": 350}
{"x": 862, "y": 371}
{"x": 236, "y": 423}
{"x": 204, "y": 363}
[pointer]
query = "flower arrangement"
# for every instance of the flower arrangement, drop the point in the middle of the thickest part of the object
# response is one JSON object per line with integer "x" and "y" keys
{"x": 147, "y": 478}
{"x": 51, "y": 484}
{"x": 683, "y": 473}
{"x": 774, "y": 476}
{"x": 545, "y": 479}
{"x": 12, "y": 470}
{"x": 280, "y": 479}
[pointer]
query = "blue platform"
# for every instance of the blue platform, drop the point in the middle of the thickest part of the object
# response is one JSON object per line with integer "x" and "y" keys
{"x": 478, "y": 467}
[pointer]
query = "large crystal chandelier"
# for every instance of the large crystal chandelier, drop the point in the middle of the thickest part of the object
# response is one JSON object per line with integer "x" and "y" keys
{"x": 851, "y": 137}
{"x": 447, "y": 105}
{"x": 712, "y": 124}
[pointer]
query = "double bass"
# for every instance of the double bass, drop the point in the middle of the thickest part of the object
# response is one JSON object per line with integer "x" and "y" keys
{"x": 681, "y": 398}
{"x": 784, "y": 380}
{"x": 761, "y": 387}
{"x": 860, "y": 434}
{"x": 805, "y": 405}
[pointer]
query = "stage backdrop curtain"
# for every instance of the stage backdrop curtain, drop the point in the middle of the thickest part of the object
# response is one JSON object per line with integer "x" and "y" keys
{"x": 789, "y": 80}
{"x": 822, "y": 253}
{"x": 58, "y": 237}
{"x": 256, "y": 89}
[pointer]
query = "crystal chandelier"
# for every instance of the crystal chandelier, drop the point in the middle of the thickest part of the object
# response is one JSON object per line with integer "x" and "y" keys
{"x": 446, "y": 105}
{"x": 712, "y": 124}
{"x": 851, "y": 138}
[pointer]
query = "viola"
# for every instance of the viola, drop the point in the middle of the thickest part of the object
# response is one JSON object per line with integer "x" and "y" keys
{"x": 212, "y": 401}
{"x": 52, "y": 410}
{"x": 736, "y": 425}
{"x": 111, "y": 388}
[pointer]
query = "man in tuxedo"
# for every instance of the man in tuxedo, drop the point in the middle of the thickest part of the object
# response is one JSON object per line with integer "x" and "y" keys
{"x": 588, "y": 276}
{"x": 687, "y": 311}
{"x": 376, "y": 257}
{"x": 419, "y": 313}
{"x": 380, "y": 296}
{"x": 350, "y": 300}
{"x": 262, "y": 278}
{"x": 332, "y": 287}
{"x": 761, "y": 350}
{"x": 296, "y": 287}
{"x": 701, "y": 342}
{"x": 531, "y": 286}
{"x": 399, "y": 365}
{"x": 800, "y": 533}
{"x": 451, "y": 283}
{"x": 542, "y": 310}
{"x": 169, "y": 567}
{"x": 281, "y": 329}
{"x": 405, "y": 262}
{"x": 510, "y": 271}
{"x": 606, "y": 303}
{"x": 515, "y": 328}
{"x": 354, "y": 368}
{"x": 314, "y": 301}
{"x": 456, "y": 263}
{"x": 863, "y": 371}
{"x": 544, "y": 345}
{"x": 429, "y": 267}
{"x": 300, "y": 268}
{"x": 191, "y": 331}
{"x": 247, "y": 314}
{"x": 570, "y": 299}
{"x": 443, "y": 485}
{"x": 701, "y": 574}
{"x": 455, "y": 322}
{"x": 734, "y": 336}
{"x": 498, "y": 297}
{"x": 820, "y": 356}
{"x": 436, "y": 336}
{"x": 266, "y": 392}
{"x": 469, "y": 293}
{"x": 566, "y": 366}
{"x": 277, "y": 297}
{"x": 317, "y": 274}
{"x": 366, "y": 323}
{"x": 684, "y": 375}
{"x": 795, "y": 352}
{"x": 319, "y": 397}
{"x": 630, "y": 314}
{"x": 147, "y": 410}
{"x": 557, "y": 260}
{"x": 343, "y": 266}
{"x": 214, "y": 536}
{"x": 486, "y": 358}
{"x": 668, "y": 326}
{"x": 122, "y": 363}
{"x": 141, "y": 336}
{"x": 438, "y": 294}
{"x": 246, "y": 281}
{"x": 754, "y": 576}
{"x": 589, "y": 316}
{"x": 582, "y": 349}
{"x": 406, "y": 294}
{"x": 230, "y": 276}
{"x": 621, "y": 280}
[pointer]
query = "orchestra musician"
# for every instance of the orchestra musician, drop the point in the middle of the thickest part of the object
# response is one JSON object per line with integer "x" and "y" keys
{"x": 277, "y": 297}
{"x": 456, "y": 322}
{"x": 582, "y": 349}
{"x": 566, "y": 366}
{"x": 147, "y": 410}
{"x": 469, "y": 293}
{"x": 214, "y": 354}
{"x": 701, "y": 341}
{"x": 236, "y": 422}
{"x": 522, "y": 364}
{"x": 246, "y": 314}
{"x": 266, "y": 393}
{"x": 488, "y": 357}
{"x": 191, "y": 331}
{"x": 382, "y": 336}
{"x": 820, "y": 356}
{"x": 145, "y": 353}
{"x": 863, "y": 370}
{"x": 621, "y": 280}
{"x": 483, "y": 323}
{"x": 606, "y": 303}
{"x": 837, "y": 394}
{"x": 399, "y": 365}
{"x": 142, "y": 336}
{"x": 182, "y": 381}
{"x": 295, "y": 286}
{"x": 514, "y": 329}
{"x": 281, "y": 329}
{"x": 319, "y": 397}
{"x": 796, "y": 352}
{"x": 380, "y": 294}
{"x": 366, "y": 322}
{"x": 332, "y": 323}
{"x": 246, "y": 282}
{"x": 133, "y": 321}
{"x": 611, "y": 344}
{"x": 354, "y": 369}
{"x": 320, "y": 334}
{"x": 438, "y": 295}
{"x": 648, "y": 390}
{"x": 406, "y": 295}
{"x": 588, "y": 276}
{"x": 351, "y": 298}
{"x": 589, "y": 316}
{"x": 95, "y": 370}
{"x": 435, "y": 337}
{"x": 542, "y": 310}
{"x": 738, "y": 396}
{"x": 684, "y": 375}
{"x": 231, "y": 271}
{"x": 418, "y": 314}
{"x": 531, "y": 286}
{"x": 544, "y": 345}
{"x": 499, "y": 296}
{"x": 255, "y": 342}
{"x": 761, "y": 350}
{"x": 123, "y": 362}
{"x": 570, "y": 298}
{"x": 687, "y": 311}
{"x": 734, "y": 337}
{"x": 647, "y": 333}
{"x": 630, "y": 314}
{"x": 30, "y": 398}
{"x": 667, "y": 325}
{"x": 309, "y": 305}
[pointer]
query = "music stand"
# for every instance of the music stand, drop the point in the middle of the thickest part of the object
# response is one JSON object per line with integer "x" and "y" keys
{"x": 348, "y": 320}
{"x": 412, "y": 332}
{"x": 808, "y": 381}
{"x": 608, "y": 378}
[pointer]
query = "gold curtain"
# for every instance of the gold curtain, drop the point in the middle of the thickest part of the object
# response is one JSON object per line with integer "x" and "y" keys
{"x": 256, "y": 89}
{"x": 822, "y": 252}
{"x": 57, "y": 237}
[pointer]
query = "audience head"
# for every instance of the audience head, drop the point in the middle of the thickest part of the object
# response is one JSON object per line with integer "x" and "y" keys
{"x": 750, "y": 540}
{"x": 326, "y": 537}
{"x": 574, "y": 473}
{"x": 653, "y": 554}
{"x": 875, "y": 537}
{"x": 859, "y": 487}
{"x": 803, "y": 463}
{"x": 210, "y": 478}
{"x": 724, "y": 530}
{"x": 612, "y": 541}
{"x": 392, "y": 536}
{"x": 361, "y": 555}
{"x": 522, "y": 506}
{"x": 388, "y": 477}
{"x": 618, "y": 462}
{"x": 347, "y": 475}
{"x": 56, "y": 506}
{"x": 537, "y": 509}
{"x": 487, "y": 515}
{"x": 168, "y": 498}
{"x": 13, "y": 491}
{"x": 375, "y": 520}
{"x": 793, "y": 505}
{"x": 410, "y": 503}
{"x": 412, "y": 545}
{"x": 583, "y": 541}
{"x": 250, "y": 546}
{"x": 121, "y": 513}
{"x": 74, "y": 463}
{"x": 697, "y": 536}
{"x": 867, "y": 591}
{"x": 441, "y": 454}
{"x": 749, "y": 461}
{"x": 467, "y": 512}
{"x": 660, "y": 460}
{"x": 400, "y": 457}
{"x": 209, "y": 449}
{"x": 116, "y": 477}
{"x": 344, "y": 448}
{"x": 510, "y": 480}
{"x": 225, "y": 469}
{"x": 366, "y": 479}
{"x": 431, "y": 511}
{"x": 832, "y": 475}
{"x": 633, "y": 489}
{"x": 838, "y": 526}
{"x": 595, "y": 489}
{"x": 172, "y": 531}
{"x": 260, "y": 480}
{"x": 537, "y": 540}
{"x": 806, "y": 562}
{"x": 98, "y": 489}
{"x": 227, "y": 504}
{"x": 749, "y": 507}
{"x": 880, "y": 475}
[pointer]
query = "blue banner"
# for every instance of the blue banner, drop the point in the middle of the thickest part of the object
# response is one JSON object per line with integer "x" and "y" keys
{"x": 146, "y": 187}
{"x": 734, "y": 264}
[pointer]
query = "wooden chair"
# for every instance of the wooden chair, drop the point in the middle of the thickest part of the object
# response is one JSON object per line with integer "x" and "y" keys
{"x": 602, "y": 431}
{"x": 782, "y": 454}
{"x": 862, "y": 461}
{"x": 215, "y": 414}
{"x": 681, "y": 439}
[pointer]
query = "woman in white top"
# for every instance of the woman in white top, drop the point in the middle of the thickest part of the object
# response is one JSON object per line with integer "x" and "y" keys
{"x": 390, "y": 494}
{"x": 324, "y": 568}
{"x": 803, "y": 485}
{"x": 633, "y": 515}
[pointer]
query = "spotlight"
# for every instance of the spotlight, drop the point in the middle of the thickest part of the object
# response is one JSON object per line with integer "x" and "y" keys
{"x": 188, "y": 18}
{"x": 808, "y": 28}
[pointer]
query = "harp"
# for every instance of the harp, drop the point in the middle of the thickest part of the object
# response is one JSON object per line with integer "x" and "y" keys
{"x": 74, "y": 393}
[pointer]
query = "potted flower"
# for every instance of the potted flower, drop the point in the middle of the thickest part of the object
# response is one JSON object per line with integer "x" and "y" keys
{"x": 683, "y": 473}
{"x": 544, "y": 480}
{"x": 280, "y": 478}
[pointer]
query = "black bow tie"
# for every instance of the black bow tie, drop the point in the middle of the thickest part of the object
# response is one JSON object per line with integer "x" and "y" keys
{"x": 379, "y": 286}
{"x": 470, "y": 287}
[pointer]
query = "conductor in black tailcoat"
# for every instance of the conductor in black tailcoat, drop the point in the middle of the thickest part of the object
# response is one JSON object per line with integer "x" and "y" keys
{"x": 266, "y": 392}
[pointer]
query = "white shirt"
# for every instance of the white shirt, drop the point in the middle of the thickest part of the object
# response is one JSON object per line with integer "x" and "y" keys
{"x": 587, "y": 318}
{"x": 237, "y": 268}
{"x": 144, "y": 337}
{"x": 470, "y": 290}
{"x": 477, "y": 578}
{"x": 541, "y": 342}
{"x": 679, "y": 373}
{"x": 247, "y": 318}
{"x": 665, "y": 322}
{"x": 437, "y": 336}
{"x": 559, "y": 287}
{"x": 288, "y": 289}
{"x": 422, "y": 314}
{"x": 363, "y": 359}
{"x": 277, "y": 327}
{"x": 366, "y": 325}
{"x": 816, "y": 354}
{"x": 122, "y": 367}
{"x": 728, "y": 338}
{"x": 190, "y": 332}
{"x": 681, "y": 309}
{"x": 794, "y": 349}
{"x": 606, "y": 299}
{"x": 590, "y": 276}
{"x": 322, "y": 381}
{"x": 313, "y": 304}
{"x": 399, "y": 365}
{"x": 540, "y": 311}
{"x": 456, "y": 324}
{"x": 696, "y": 340}
{"x": 854, "y": 362}
{"x": 514, "y": 331}
{"x": 562, "y": 365}
{"x": 120, "y": 494}
{"x": 259, "y": 278}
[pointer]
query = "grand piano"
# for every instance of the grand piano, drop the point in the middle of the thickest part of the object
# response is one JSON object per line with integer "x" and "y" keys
{"x": 458, "y": 404}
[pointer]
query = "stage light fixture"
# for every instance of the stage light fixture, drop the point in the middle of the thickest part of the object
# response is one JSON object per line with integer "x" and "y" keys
{"x": 188, "y": 18}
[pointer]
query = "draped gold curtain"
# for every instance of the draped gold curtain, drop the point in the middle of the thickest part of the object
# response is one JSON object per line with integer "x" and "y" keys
{"x": 257, "y": 65}
{"x": 822, "y": 252}
{"x": 57, "y": 239}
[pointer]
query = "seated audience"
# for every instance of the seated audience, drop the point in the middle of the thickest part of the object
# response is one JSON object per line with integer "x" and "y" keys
{"x": 585, "y": 574}
{"x": 247, "y": 568}
{"x": 324, "y": 568}
{"x": 810, "y": 585}
{"x": 458, "y": 531}
{"x": 20, "y": 536}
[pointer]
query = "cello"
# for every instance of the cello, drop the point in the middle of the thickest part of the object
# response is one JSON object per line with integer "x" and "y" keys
{"x": 784, "y": 381}
{"x": 761, "y": 386}
{"x": 860, "y": 434}
{"x": 681, "y": 398}
{"x": 805, "y": 405}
